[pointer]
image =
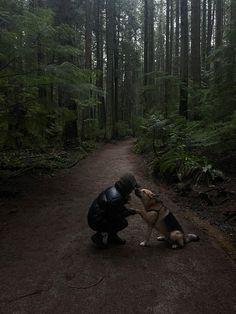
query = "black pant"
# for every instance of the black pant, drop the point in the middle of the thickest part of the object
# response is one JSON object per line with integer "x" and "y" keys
{"x": 110, "y": 226}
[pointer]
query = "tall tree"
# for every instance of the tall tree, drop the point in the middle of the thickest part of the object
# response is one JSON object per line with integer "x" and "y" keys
{"x": 110, "y": 41}
{"x": 203, "y": 38}
{"x": 160, "y": 52}
{"x": 219, "y": 23}
{"x": 232, "y": 40}
{"x": 41, "y": 56}
{"x": 218, "y": 38}
{"x": 210, "y": 25}
{"x": 117, "y": 17}
{"x": 171, "y": 35}
{"x": 86, "y": 112}
{"x": 176, "y": 63}
{"x": 233, "y": 25}
{"x": 167, "y": 37}
{"x": 183, "y": 107}
{"x": 148, "y": 48}
{"x": 168, "y": 57}
{"x": 99, "y": 20}
{"x": 88, "y": 35}
{"x": 151, "y": 38}
{"x": 146, "y": 42}
{"x": 195, "y": 43}
{"x": 161, "y": 39}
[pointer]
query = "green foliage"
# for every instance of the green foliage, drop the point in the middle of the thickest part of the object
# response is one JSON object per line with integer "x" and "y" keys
{"x": 180, "y": 149}
{"x": 92, "y": 130}
{"x": 28, "y": 119}
{"x": 123, "y": 129}
{"x": 179, "y": 163}
{"x": 217, "y": 100}
{"x": 43, "y": 89}
{"x": 14, "y": 163}
{"x": 185, "y": 166}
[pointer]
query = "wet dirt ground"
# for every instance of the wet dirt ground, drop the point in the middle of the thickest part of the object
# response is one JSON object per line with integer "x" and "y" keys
{"x": 49, "y": 265}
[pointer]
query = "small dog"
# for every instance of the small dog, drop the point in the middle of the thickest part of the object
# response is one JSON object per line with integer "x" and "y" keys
{"x": 160, "y": 218}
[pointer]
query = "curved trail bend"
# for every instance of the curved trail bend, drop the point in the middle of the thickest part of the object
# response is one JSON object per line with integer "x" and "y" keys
{"x": 48, "y": 265}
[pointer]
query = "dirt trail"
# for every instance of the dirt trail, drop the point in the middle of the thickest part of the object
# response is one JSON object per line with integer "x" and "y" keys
{"x": 48, "y": 265}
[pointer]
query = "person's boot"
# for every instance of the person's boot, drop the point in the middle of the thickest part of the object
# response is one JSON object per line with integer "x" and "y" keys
{"x": 113, "y": 238}
{"x": 99, "y": 240}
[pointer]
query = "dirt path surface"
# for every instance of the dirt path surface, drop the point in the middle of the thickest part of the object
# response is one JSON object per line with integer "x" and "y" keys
{"x": 48, "y": 264}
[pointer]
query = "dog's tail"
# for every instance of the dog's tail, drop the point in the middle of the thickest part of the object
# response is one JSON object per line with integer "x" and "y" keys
{"x": 190, "y": 237}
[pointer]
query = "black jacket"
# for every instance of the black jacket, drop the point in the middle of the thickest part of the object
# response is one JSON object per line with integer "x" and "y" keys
{"x": 109, "y": 206}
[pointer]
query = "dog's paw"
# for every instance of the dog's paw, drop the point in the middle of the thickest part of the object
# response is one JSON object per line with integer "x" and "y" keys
{"x": 144, "y": 243}
{"x": 174, "y": 246}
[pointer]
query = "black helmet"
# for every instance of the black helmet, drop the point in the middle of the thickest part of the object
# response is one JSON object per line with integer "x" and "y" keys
{"x": 127, "y": 183}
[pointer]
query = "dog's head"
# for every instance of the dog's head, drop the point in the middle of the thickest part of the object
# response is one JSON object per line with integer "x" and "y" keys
{"x": 147, "y": 197}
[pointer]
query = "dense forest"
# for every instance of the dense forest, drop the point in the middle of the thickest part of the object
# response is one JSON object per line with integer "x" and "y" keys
{"x": 76, "y": 71}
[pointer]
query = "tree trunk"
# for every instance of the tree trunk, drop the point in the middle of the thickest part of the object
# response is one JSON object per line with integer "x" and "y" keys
{"x": 195, "y": 43}
{"x": 176, "y": 65}
{"x": 162, "y": 41}
{"x": 151, "y": 52}
{"x": 218, "y": 39}
{"x": 183, "y": 108}
{"x": 148, "y": 49}
{"x": 203, "y": 41}
{"x": 88, "y": 35}
{"x": 151, "y": 39}
{"x": 161, "y": 53}
{"x": 41, "y": 57}
{"x": 146, "y": 43}
{"x": 210, "y": 25}
{"x": 116, "y": 71}
{"x": 88, "y": 60}
{"x": 110, "y": 39}
{"x": 219, "y": 23}
{"x": 171, "y": 35}
{"x": 167, "y": 68}
{"x": 167, "y": 37}
{"x": 232, "y": 55}
{"x": 99, "y": 57}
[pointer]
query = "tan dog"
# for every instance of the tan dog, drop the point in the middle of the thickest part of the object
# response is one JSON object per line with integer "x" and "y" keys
{"x": 160, "y": 218}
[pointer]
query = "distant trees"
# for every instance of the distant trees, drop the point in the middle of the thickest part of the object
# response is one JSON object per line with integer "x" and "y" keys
{"x": 80, "y": 70}
{"x": 71, "y": 53}
{"x": 191, "y": 34}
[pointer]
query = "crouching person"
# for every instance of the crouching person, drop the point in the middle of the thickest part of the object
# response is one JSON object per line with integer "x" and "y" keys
{"x": 107, "y": 214}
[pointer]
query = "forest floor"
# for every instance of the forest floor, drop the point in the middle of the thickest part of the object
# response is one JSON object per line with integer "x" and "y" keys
{"x": 49, "y": 265}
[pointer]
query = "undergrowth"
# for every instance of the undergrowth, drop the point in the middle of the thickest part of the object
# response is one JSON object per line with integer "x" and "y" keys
{"x": 187, "y": 152}
{"x": 14, "y": 163}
